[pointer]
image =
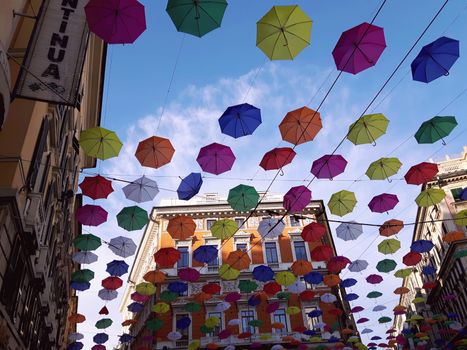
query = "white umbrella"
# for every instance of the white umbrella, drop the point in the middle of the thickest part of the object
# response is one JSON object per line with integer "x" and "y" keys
{"x": 328, "y": 298}
{"x": 349, "y": 231}
{"x": 107, "y": 294}
{"x": 84, "y": 257}
{"x": 297, "y": 287}
{"x": 141, "y": 190}
{"x": 122, "y": 246}
{"x": 174, "y": 336}
{"x": 75, "y": 336}
{"x": 271, "y": 228}
{"x": 222, "y": 306}
{"x": 234, "y": 322}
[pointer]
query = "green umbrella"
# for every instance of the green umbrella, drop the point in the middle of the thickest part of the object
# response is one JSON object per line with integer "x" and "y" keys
{"x": 283, "y": 32}
{"x": 154, "y": 324}
{"x": 386, "y": 265}
{"x": 389, "y": 246}
{"x": 384, "y": 319}
{"x": 196, "y": 17}
{"x": 367, "y": 129}
{"x": 435, "y": 129}
{"x": 460, "y": 219}
{"x": 402, "y": 273}
{"x": 283, "y": 295}
{"x": 374, "y": 294}
{"x": 243, "y": 198}
{"x": 429, "y": 197}
{"x": 192, "y": 307}
{"x": 460, "y": 254}
{"x": 168, "y": 296}
{"x": 205, "y": 329}
{"x": 224, "y": 229}
{"x": 132, "y": 218}
{"x": 104, "y": 323}
{"x": 255, "y": 323}
{"x": 82, "y": 276}
{"x": 100, "y": 143}
{"x": 342, "y": 202}
{"x": 383, "y": 168}
{"x": 247, "y": 286}
{"x": 87, "y": 242}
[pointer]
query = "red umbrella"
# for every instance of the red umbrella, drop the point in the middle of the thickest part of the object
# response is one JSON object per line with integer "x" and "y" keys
{"x": 313, "y": 232}
{"x": 154, "y": 152}
{"x": 374, "y": 279}
{"x": 112, "y": 283}
{"x": 300, "y": 126}
{"x": 96, "y": 187}
{"x": 337, "y": 263}
{"x": 211, "y": 288}
{"x": 91, "y": 215}
{"x": 272, "y": 307}
{"x": 277, "y": 158}
{"x": 430, "y": 285}
{"x": 224, "y": 334}
{"x": 336, "y": 311}
{"x": 421, "y": 173}
{"x": 104, "y": 311}
{"x": 412, "y": 258}
{"x": 272, "y": 288}
{"x": 307, "y": 295}
{"x": 166, "y": 257}
{"x": 357, "y": 309}
{"x": 233, "y": 297}
{"x": 322, "y": 253}
{"x": 391, "y": 227}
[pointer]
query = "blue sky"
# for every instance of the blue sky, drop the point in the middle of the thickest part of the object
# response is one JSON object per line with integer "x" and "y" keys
{"x": 225, "y": 68}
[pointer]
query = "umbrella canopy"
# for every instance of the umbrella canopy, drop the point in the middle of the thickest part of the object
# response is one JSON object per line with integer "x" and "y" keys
{"x": 374, "y": 279}
{"x": 331, "y": 280}
{"x": 145, "y": 288}
{"x": 177, "y": 287}
{"x": 337, "y": 263}
{"x": 103, "y": 323}
{"x": 233, "y": 297}
{"x": 174, "y": 335}
{"x": 82, "y": 276}
{"x": 192, "y": 307}
{"x": 383, "y": 168}
{"x": 430, "y": 196}
{"x": 227, "y": 272}
{"x": 112, "y": 283}
{"x": 243, "y": 198}
{"x": 285, "y": 278}
{"x": 91, "y": 215}
{"x": 389, "y": 246}
{"x": 100, "y": 143}
{"x": 460, "y": 219}
{"x": 283, "y": 32}
{"x": 383, "y": 202}
{"x": 240, "y": 120}
{"x": 402, "y": 273}
{"x": 328, "y": 166}
{"x": 313, "y": 232}
{"x": 166, "y": 257}
{"x": 301, "y": 267}
{"x": 297, "y": 287}
{"x": 189, "y": 274}
{"x": 374, "y": 295}
{"x": 358, "y": 265}
{"x": 154, "y": 276}
{"x": 348, "y": 282}
{"x": 84, "y": 257}
{"x": 96, "y": 187}
{"x": 141, "y": 190}
{"x": 154, "y": 152}
{"x": 277, "y": 158}
{"x": 349, "y": 231}
{"x": 401, "y": 290}
{"x": 322, "y": 253}
{"x": 247, "y": 286}
{"x": 367, "y": 129}
{"x": 421, "y": 173}
{"x": 342, "y": 202}
{"x": 328, "y": 298}
{"x": 215, "y": 158}
{"x": 300, "y": 126}
{"x": 412, "y": 258}
{"x": 384, "y": 319}
{"x": 391, "y": 227}
{"x": 359, "y": 48}
{"x": 122, "y": 246}
{"x": 205, "y": 254}
{"x": 421, "y": 246}
{"x": 196, "y": 17}
{"x": 386, "y": 265}
{"x": 87, "y": 242}
{"x": 117, "y": 268}
{"x": 239, "y": 260}
{"x": 108, "y": 294}
{"x": 211, "y": 288}
{"x": 435, "y": 129}
{"x": 181, "y": 227}
{"x": 263, "y": 273}
{"x": 453, "y": 236}
{"x": 435, "y": 59}
{"x": 296, "y": 199}
{"x": 270, "y": 228}
{"x": 189, "y": 186}
{"x": 132, "y": 218}
{"x": 224, "y": 228}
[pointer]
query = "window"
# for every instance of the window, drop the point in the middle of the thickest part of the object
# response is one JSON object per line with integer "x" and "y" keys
{"x": 184, "y": 332}
{"x": 310, "y": 322}
{"x": 300, "y": 250}
{"x": 184, "y": 260}
{"x": 279, "y": 316}
{"x": 456, "y": 193}
{"x": 271, "y": 252}
{"x": 209, "y": 223}
{"x": 294, "y": 221}
{"x": 242, "y": 247}
{"x": 246, "y": 316}
{"x": 216, "y": 329}
{"x": 240, "y": 222}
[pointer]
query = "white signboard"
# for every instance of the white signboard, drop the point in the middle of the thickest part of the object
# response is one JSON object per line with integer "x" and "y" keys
{"x": 5, "y": 85}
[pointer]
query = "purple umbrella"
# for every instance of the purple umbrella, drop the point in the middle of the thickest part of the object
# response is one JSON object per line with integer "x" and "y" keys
{"x": 91, "y": 215}
{"x": 296, "y": 199}
{"x": 215, "y": 158}
{"x": 357, "y": 309}
{"x": 139, "y": 297}
{"x": 328, "y": 166}
{"x": 374, "y": 279}
{"x": 362, "y": 320}
{"x": 383, "y": 202}
{"x": 359, "y": 48}
{"x": 116, "y": 21}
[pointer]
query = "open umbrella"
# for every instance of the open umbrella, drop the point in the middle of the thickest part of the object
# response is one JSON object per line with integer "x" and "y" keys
{"x": 87, "y": 242}
{"x": 100, "y": 143}
{"x": 348, "y": 282}
{"x": 389, "y": 246}
{"x": 383, "y": 202}
{"x": 112, "y": 283}
{"x": 401, "y": 290}
{"x": 122, "y": 246}
{"x": 283, "y": 32}
{"x": 328, "y": 166}
{"x": 349, "y": 231}
{"x": 430, "y": 196}
{"x": 337, "y": 263}
{"x": 247, "y": 286}
{"x": 374, "y": 295}
{"x": 421, "y": 173}
{"x": 240, "y": 120}
{"x": 453, "y": 236}
{"x": 189, "y": 186}
{"x": 270, "y": 228}
{"x": 107, "y": 294}
{"x": 296, "y": 199}
{"x": 301, "y": 267}
{"x": 391, "y": 227}
{"x": 383, "y": 168}
{"x": 177, "y": 287}
{"x": 84, "y": 257}
{"x": 435, "y": 59}
{"x": 263, "y": 273}
{"x": 300, "y": 126}
{"x": 331, "y": 280}
{"x": 141, "y": 190}
{"x": 117, "y": 268}
{"x": 154, "y": 276}
{"x": 285, "y": 278}
{"x": 322, "y": 253}
{"x": 91, "y": 215}
{"x": 435, "y": 129}
{"x": 374, "y": 279}
{"x": 239, "y": 260}
{"x": 243, "y": 198}
{"x": 367, "y": 129}
{"x": 342, "y": 202}
{"x": 421, "y": 246}
{"x": 359, "y": 48}
{"x": 96, "y": 187}
{"x": 196, "y": 17}
{"x": 328, "y": 298}
{"x": 154, "y": 152}
{"x": 460, "y": 219}
{"x": 358, "y": 265}
{"x": 412, "y": 258}
{"x": 103, "y": 323}
{"x": 132, "y": 218}
{"x": 181, "y": 227}
{"x": 82, "y": 276}
{"x": 145, "y": 288}
{"x": 224, "y": 228}
{"x": 205, "y": 253}
{"x": 277, "y": 158}
{"x": 402, "y": 273}
{"x": 227, "y": 272}
{"x": 386, "y": 265}
{"x": 313, "y": 232}
{"x": 166, "y": 257}
{"x": 215, "y": 158}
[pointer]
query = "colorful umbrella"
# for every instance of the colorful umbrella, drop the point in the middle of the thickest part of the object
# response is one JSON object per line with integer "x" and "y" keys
{"x": 240, "y": 120}
{"x": 412, "y": 258}
{"x": 177, "y": 287}
{"x": 132, "y": 218}
{"x": 154, "y": 152}
{"x": 301, "y": 267}
{"x": 342, "y": 202}
{"x": 87, "y": 242}
{"x": 224, "y": 228}
{"x": 374, "y": 295}
{"x": 247, "y": 286}
{"x": 421, "y": 173}
{"x": 122, "y": 246}
{"x": 222, "y": 306}
{"x": 359, "y": 48}
{"x": 328, "y": 166}
{"x": 389, "y": 246}
{"x": 322, "y": 253}
{"x": 271, "y": 228}
{"x": 331, "y": 280}
{"x": 84, "y": 257}
{"x": 103, "y": 323}
{"x": 145, "y": 288}
{"x": 401, "y": 290}
{"x": 435, "y": 129}
{"x": 96, "y": 187}
{"x": 296, "y": 199}
{"x": 348, "y": 282}
{"x": 421, "y": 246}
{"x": 166, "y": 257}
{"x": 192, "y": 307}
{"x": 189, "y": 274}
{"x": 402, "y": 273}
{"x": 196, "y": 17}
{"x": 112, "y": 283}
{"x": 211, "y": 288}
{"x": 300, "y": 126}
{"x": 263, "y": 273}
{"x": 391, "y": 227}
{"x": 460, "y": 219}
{"x": 367, "y": 129}
{"x": 374, "y": 279}
{"x": 285, "y": 278}
{"x": 430, "y": 196}
{"x": 297, "y": 287}
{"x": 227, "y": 272}
{"x": 337, "y": 263}
{"x": 386, "y": 265}
{"x": 76, "y": 318}
{"x": 239, "y": 260}
{"x": 233, "y": 297}
{"x": 82, "y": 276}
{"x": 349, "y": 231}
{"x": 328, "y": 298}
{"x": 384, "y": 319}
{"x": 141, "y": 190}
{"x": 351, "y": 297}
{"x": 283, "y": 32}
{"x": 435, "y": 59}
{"x": 117, "y": 268}
{"x": 181, "y": 227}
{"x": 453, "y": 236}
{"x": 215, "y": 158}
{"x": 189, "y": 186}
{"x": 358, "y": 265}
{"x": 383, "y": 202}
{"x": 154, "y": 276}
{"x": 383, "y": 168}
{"x": 135, "y": 307}
{"x": 154, "y": 324}
{"x": 205, "y": 254}
{"x": 100, "y": 143}
{"x": 243, "y": 198}
{"x": 313, "y": 232}
{"x": 91, "y": 215}
{"x": 277, "y": 158}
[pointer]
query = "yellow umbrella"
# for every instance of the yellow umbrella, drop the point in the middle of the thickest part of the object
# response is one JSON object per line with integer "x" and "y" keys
{"x": 100, "y": 143}
{"x": 265, "y": 336}
{"x": 285, "y": 278}
{"x": 195, "y": 344}
{"x": 224, "y": 229}
{"x": 161, "y": 308}
{"x": 292, "y": 310}
{"x": 227, "y": 272}
{"x": 145, "y": 288}
{"x": 212, "y": 321}
{"x": 418, "y": 300}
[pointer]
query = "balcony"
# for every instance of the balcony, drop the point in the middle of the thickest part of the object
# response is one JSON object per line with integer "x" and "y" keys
{"x": 213, "y": 269}
{"x": 181, "y": 344}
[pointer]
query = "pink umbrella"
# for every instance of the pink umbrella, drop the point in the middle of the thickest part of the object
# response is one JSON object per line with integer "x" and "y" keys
{"x": 224, "y": 334}
{"x": 116, "y": 21}
{"x": 139, "y": 297}
{"x": 337, "y": 263}
{"x": 296, "y": 199}
{"x": 374, "y": 279}
{"x": 359, "y": 48}
{"x": 91, "y": 215}
{"x": 328, "y": 166}
{"x": 233, "y": 297}
{"x": 272, "y": 307}
{"x": 215, "y": 158}
{"x": 383, "y": 202}
{"x": 189, "y": 274}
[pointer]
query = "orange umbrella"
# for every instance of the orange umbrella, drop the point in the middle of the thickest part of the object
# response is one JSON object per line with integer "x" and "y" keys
{"x": 347, "y": 331}
{"x": 331, "y": 280}
{"x": 212, "y": 346}
{"x": 128, "y": 322}
{"x": 77, "y": 318}
{"x": 453, "y": 236}
{"x": 154, "y": 152}
{"x": 401, "y": 290}
{"x": 399, "y": 308}
{"x": 301, "y": 267}
{"x": 391, "y": 227}
{"x": 181, "y": 227}
{"x": 288, "y": 338}
{"x": 238, "y": 260}
{"x": 277, "y": 325}
{"x": 300, "y": 126}
{"x": 201, "y": 296}
{"x": 154, "y": 276}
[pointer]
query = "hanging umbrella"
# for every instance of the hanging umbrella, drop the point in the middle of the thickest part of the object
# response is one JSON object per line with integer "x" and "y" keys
{"x": 192, "y": 307}
{"x": 331, "y": 280}
{"x": 435, "y": 129}
{"x": 383, "y": 168}
{"x": 100, "y": 143}
{"x": 224, "y": 228}
{"x": 337, "y": 263}
{"x": 328, "y": 166}
{"x": 313, "y": 278}
{"x": 177, "y": 287}
{"x": 196, "y": 17}
{"x": 132, "y": 218}
{"x": 297, "y": 287}
{"x": 96, "y": 187}
{"x": 103, "y": 323}
{"x": 122, "y": 246}
{"x": 389, "y": 246}
{"x": 240, "y": 120}
{"x": 271, "y": 228}
{"x": 181, "y": 227}
{"x": 168, "y": 296}
{"x": 401, "y": 290}
{"x": 366, "y": 331}
{"x": 421, "y": 173}
{"x": 300, "y": 126}
{"x": 243, "y": 198}
{"x": 189, "y": 186}
{"x": 313, "y": 232}
{"x": 82, "y": 276}
{"x": 435, "y": 59}
{"x": 351, "y": 297}
{"x": 349, "y": 231}
{"x": 328, "y": 298}
{"x": 145, "y": 288}
{"x": 81, "y": 286}
{"x": 402, "y": 273}
{"x": 453, "y": 236}
{"x": 322, "y": 253}
{"x": 384, "y": 319}
{"x": 232, "y": 297}
{"x": 84, "y": 257}
{"x": 263, "y": 273}
{"x": 391, "y": 227}
{"x": 386, "y": 265}
{"x": 75, "y": 336}
{"x": 374, "y": 279}
{"x": 285, "y": 278}
{"x": 359, "y": 48}
{"x": 107, "y": 294}
{"x": 166, "y": 257}
{"x": 189, "y": 274}
{"x": 412, "y": 258}
{"x": 283, "y": 32}
{"x": 211, "y": 288}
{"x": 141, "y": 190}
{"x": 215, "y": 158}
{"x": 421, "y": 246}
{"x": 367, "y": 129}
{"x": 155, "y": 276}
{"x": 75, "y": 346}
{"x": 383, "y": 202}
{"x": 76, "y": 318}
{"x": 154, "y": 324}
{"x": 374, "y": 295}
{"x": 91, "y": 215}
{"x": 463, "y": 195}
{"x": 174, "y": 336}
{"x": 296, "y": 199}
{"x": 430, "y": 196}
{"x": 87, "y": 242}
{"x": 154, "y": 152}
{"x": 277, "y": 158}
{"x": 205, "y": 254}
{"x": 247, "y": 286}
{"x": 358, "y": 266}
{"x": 342, "y": 202}
{"x": 239, "y": 260}
{"x": 348, "y": 282}
{"x": 301, "y": 267}
{"x": 227, "y": 272}
{"x": 112, "y": 283}
{"x": 460, "y": 219}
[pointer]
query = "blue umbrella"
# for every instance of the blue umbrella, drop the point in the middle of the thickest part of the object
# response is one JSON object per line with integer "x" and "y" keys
{"x": 190, "y": 186}
{"x": 428, "y": 270}
{"x": 463, "y": 195}
{"x": 421, "y": 246}
{"x": 333, "y": 339}
{"x": 81, "y": 286}
{"x": 348, "y": 282}
{"x": 205, "y": 253}
{"x": 178, "y": 287}
{"x": 379, "y": 308}
{"x": 376, "y": 337}
{"x": 135, "y": 307}
{"x": 366, "y": 331}
{"x": 117, "y": 268}
{"x": 435, "y": 59}
{"x": 263, "y": 273}
{"x": 406, "y": 331}
{"x": 351, "y": 297}
{"x": 254, "y": 300}
{"x": 313, "y": 278}
{"x": 100, "y": 338}
{"x": 126, "y": 338}
{"x": 315, "y": 313}
{"x": 358, "y": 265}
{"x": 183, "y": 323}
{"x": 76, "y": 345}
{"x": 310, "y": 332}
{"x": 452, "y": 315}
{"x": 240, "y": 120}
